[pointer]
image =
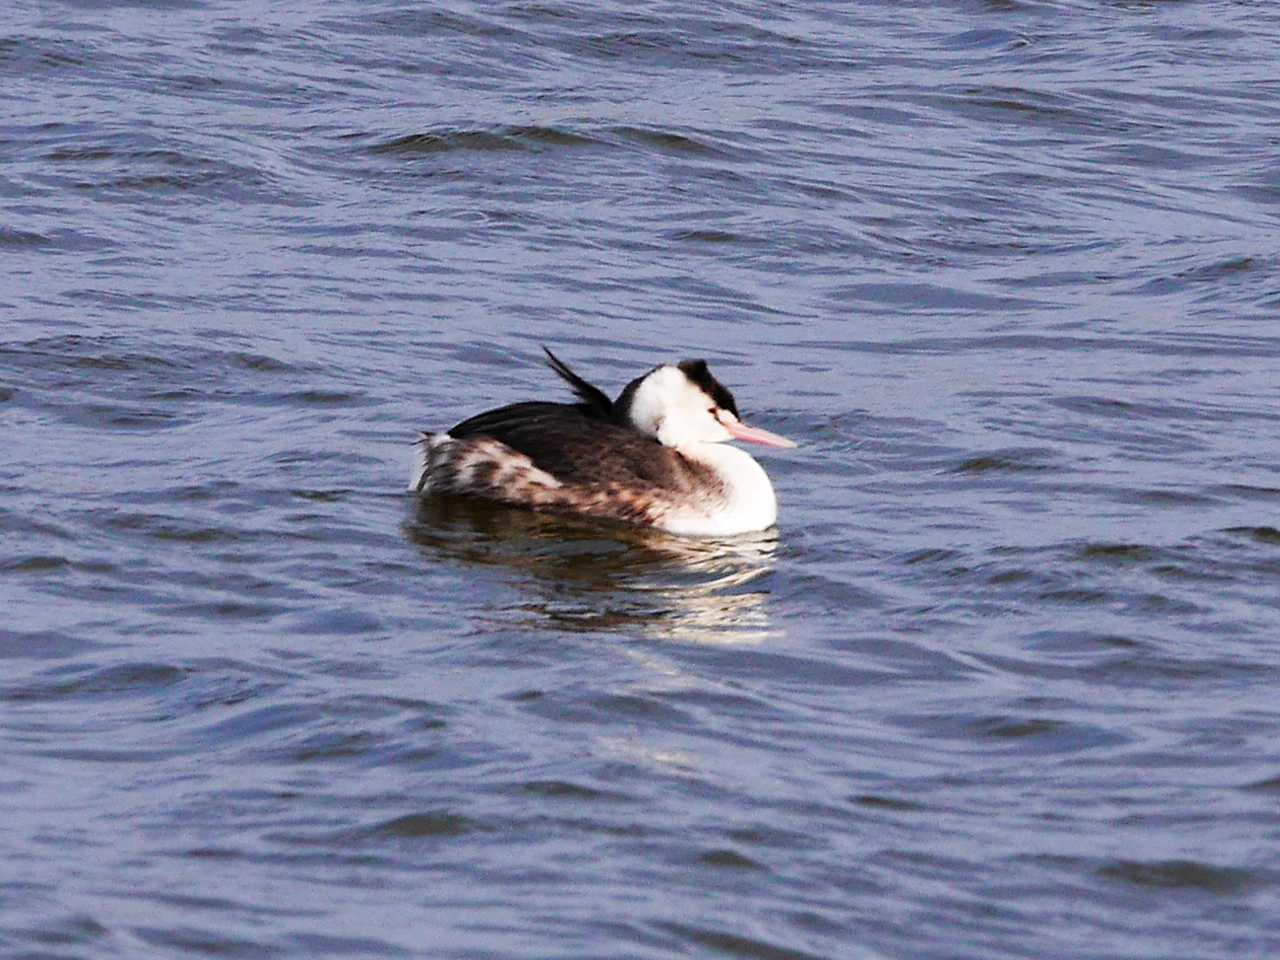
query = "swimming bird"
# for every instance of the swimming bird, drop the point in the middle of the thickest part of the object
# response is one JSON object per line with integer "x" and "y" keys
{"x": 654, "y": 457}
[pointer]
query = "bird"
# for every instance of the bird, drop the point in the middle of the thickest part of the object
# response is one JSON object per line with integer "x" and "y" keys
{"x": 655, "y": 457}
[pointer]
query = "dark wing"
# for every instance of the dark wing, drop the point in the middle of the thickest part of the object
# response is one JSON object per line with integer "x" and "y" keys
{"x": 498, "y": 423}
{"x": 576, "y": 448}
{"x": 592, "y": 397}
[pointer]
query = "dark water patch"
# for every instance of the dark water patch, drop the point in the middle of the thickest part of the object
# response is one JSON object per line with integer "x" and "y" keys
{"x": 986, "y": 39}
{"x": 297, "y": 455}
{"x": 356, "y": 746}
{"x": 32, "y": 563}
{"x": 1244, "y": 491}
{"x": 730, "y": 944}
{"x": 213, "y": 854}
{"x": 1070, "y": 642}
{"x": 683, "y": 44}
{"x": 105, "y": 755}
{"x": 1268, "y": 785}
{"x": 1134, "y": 601}
{"x": 164, "y": 527}
{"x": 344, "y": 621}
{"x": 674, "y": 143}
{"x": 1163, "y": 498}
{"x": 790, "y": 670}
{"x": 564, "y": 790}
{"x": 431, "y": 23}
{"x": 256, "y": 723}
{"x": 1036, "y": 735}
{"x": 769, "y": 837}
{"x": 1139, "y": 411}
{"x": 1119, "y": 553}
{"x": 1149, "y": 669}
{"x": 43, "y": 645}
{"x": 724, "y": 859}
{"x": 14, "y": 239}
{"x": 1264, "y": 535}
{"x": 831, "y": 594}
{"x": 609, "y": 709}
{"x": 728, "y": 704}
{"x": 195, "y": 84}
{"x": 214, "y": 611}
{"x": 131, "y": 390}
{"x": 191, "y": 940}
{"x": 324, "y": 398}
{"x": 1188, "y": 875}
{"x": 1213, "y": 274}
{"x": 708, "y": 236}
{"x": 1149, "y": 156}
{"x": 1169, "y": 343}
{"x": 322, "y": 945}
{"x": 68, "y": 930}
{"x": 1123, "y": 663}
{"x": 1118, "y": 577}
{"x": 1191, "y": 570}
{"x": 363, "y": 732}
{"x": 927, "y": 296}
{"x": 26, "y": 55}
{"x": 1025, "y": 106}
{"x": 93, "y": 353}
{"x": 362, "y": 668}
{"x": 123, "y": 680}
{"x": 125, "y": 418}
{"x": 195, "y": 903}
{"x": 1016, "y": 576}
{"x": 873, "y": 801}
{"x": 263, "y": 363}
{"x": 129, "y": 172}
{"x": 427, "y": 825}
{"x": 526, "y": 138}
{"x": 935, "y": 555}
{"x": 322, "y": 496}
{"x": 1005, "y": 461}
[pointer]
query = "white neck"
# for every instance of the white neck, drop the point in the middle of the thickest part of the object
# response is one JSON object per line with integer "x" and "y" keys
{"x": 749, "y": 504}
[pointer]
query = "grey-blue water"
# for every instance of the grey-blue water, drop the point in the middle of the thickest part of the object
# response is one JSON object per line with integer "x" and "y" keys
{"x": 1002, "y": 683}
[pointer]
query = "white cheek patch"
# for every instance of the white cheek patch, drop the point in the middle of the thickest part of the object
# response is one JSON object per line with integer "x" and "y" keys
{"x": 675, "y": 411}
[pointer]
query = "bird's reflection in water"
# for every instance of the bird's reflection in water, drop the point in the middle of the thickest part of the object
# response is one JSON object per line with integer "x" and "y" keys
{"x": 590, "y": 576}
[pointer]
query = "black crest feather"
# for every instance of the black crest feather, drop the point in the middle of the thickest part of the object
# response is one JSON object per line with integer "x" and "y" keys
{"x": 698, "y": 374}
{"x": 593, "y": 398}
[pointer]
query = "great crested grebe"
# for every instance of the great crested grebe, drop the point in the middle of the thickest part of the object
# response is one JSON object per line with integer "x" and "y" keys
{"x": 654, "y": 457}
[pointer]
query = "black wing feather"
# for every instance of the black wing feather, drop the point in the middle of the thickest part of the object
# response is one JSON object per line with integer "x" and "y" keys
{"x": 497, "y": 423}
{"x": 592, "y": 396}
{"x": 575, "y": 446}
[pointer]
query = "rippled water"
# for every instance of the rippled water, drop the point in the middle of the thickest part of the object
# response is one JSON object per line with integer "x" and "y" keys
{"x": 1001, "y": 684}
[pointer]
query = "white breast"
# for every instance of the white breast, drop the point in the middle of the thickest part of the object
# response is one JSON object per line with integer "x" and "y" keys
{"x": 749, "y": 502}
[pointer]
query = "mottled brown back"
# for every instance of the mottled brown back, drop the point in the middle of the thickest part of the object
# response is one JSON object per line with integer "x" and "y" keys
{"x": 579, "y": 449}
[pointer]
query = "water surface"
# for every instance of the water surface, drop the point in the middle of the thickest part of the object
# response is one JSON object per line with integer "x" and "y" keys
{"x": 1001, "y": 683}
